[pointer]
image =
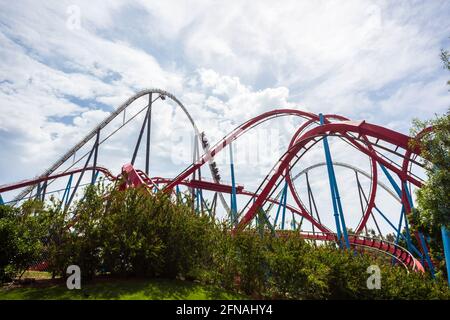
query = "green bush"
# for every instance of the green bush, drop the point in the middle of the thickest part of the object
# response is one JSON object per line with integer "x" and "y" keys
{"x": 20, "y": 235}
{"x": 135, "y": 233}
{"x": 130, "y": 233}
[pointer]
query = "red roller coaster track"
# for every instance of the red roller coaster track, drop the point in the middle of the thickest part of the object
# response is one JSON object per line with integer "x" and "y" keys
{"x": 369, "y": 139}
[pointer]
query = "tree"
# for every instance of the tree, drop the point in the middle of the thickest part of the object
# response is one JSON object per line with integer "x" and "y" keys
{"x": 20, "y": 235}
{"x": 445, "y": 57}
{"x": 433, "y": 210}
{"x": 434, "y": 197}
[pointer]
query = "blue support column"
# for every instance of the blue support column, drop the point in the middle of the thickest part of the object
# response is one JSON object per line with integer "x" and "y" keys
{"x": 337, "y": 206}
{"x": 66, "y": 193}
{"x": 413, "y": 248}
{"x": 38, "y": 191}
{"x": 94, "y": 178}
{"x": 422, "y": 238}
{"x": 94, "y": 171}
{"x": 293, "y": 223}
{"x": 200, "y": 195}
{"x": 392, "y": 181}
{"x": 397, "y": 238}
{"x": 1, "y": 200}
{"x": 233, "y": 187}
{"x": 397, "y": 189}
{"x": 408, "y": 238}
{"x": 426, "y": 254}
{"x": 197, "y": 198}
{"x": 446, "y": 242}
{"x": 283, "y": 217}
{"x": 400, "y": 225}
{"x": 178, "y": 195}
{"x": 282, "y": 206}
{"x": 403, "y": 215}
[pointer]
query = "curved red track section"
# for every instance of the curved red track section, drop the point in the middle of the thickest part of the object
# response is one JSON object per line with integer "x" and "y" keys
{"x": 361, "y": 128}
{"x": 360, "y": 135}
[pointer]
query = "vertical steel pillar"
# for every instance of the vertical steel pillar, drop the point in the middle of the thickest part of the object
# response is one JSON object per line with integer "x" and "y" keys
{"x": 199, "y": 190}
{"x": 138, "y": 143}
{"x": 293, "y": 223}
{"x": 408, "y": 236}
{"x": 400, "y": 225}
{"x": 421, "y": 237}
{"x": 360, "y": 198}
{"x": 94, "y": 173}
{"x": 446, "y": 242}
{"x": 79, "y": 179}
{"x": 194, "y": 159}
{"x": 38, "y": 191}
{"x": 43, "y": 191}
{"x": 1, "y": 200}
{"x": 197, "y": 199}
{"x": 149, "y": 127}
{"x": 283, "y": 216}
{"x": 282, "y": 205}
{"x": 397, "y": 238}
{"x": 233, "y": 208}
{"x": 67, "y": 191}
{"x": 426, "y": 253}
{"x": 399, "y": 193}
{"x": 337, "y": 206}
{"x": 311, "y": 202}
{"x": 367, "y": 203}
{"x": 214, "y": 204}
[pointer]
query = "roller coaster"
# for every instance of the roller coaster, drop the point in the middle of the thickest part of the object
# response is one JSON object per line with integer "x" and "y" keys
{"x": 390, "y": 153}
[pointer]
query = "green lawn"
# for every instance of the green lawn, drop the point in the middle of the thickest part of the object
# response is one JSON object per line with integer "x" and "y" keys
{"x": 153, "y": 289}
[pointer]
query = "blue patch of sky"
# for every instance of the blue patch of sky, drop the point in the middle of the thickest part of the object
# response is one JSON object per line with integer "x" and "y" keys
{"x": 85, "y": 103}
{"x": 88, "y": 103}
{"x": 111, "y": 76}
{"x": 6, "y": 81}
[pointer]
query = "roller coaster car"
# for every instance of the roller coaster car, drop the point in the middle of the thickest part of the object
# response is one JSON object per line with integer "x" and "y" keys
{"x": 204, "y": 140}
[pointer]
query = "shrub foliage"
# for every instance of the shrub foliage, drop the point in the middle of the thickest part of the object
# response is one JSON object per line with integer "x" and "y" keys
{"x": 134, "y": 233}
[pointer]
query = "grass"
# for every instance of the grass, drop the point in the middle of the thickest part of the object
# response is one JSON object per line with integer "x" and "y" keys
{"x": 119, "y": 289}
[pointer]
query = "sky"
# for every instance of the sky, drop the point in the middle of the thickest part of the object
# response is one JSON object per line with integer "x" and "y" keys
{"x": 64, "y": 65}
